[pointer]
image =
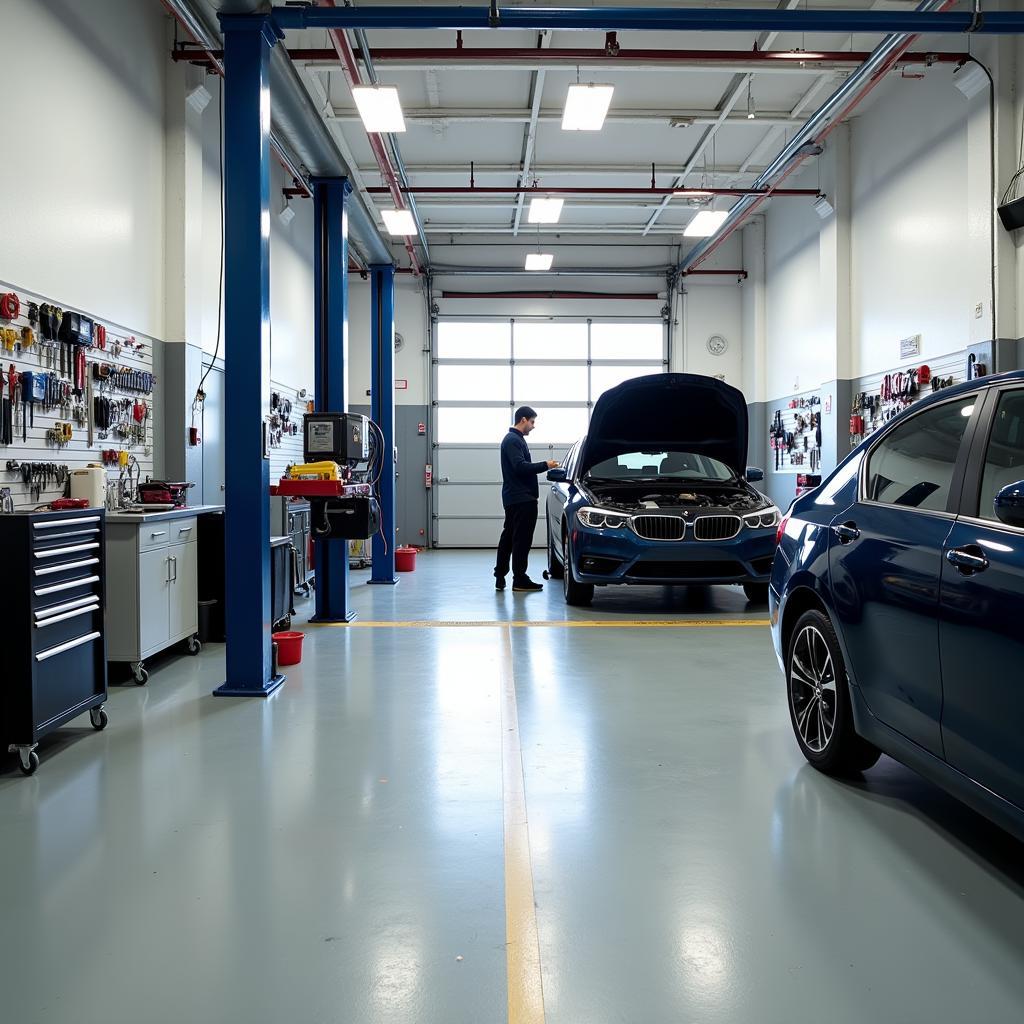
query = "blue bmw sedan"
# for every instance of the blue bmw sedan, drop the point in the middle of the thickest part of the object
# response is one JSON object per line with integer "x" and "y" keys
{"x": 658, "y": 493}
{"x": 897, "y": 596}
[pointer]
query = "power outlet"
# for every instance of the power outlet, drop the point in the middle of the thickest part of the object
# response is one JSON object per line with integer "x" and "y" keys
{"x": 979, "y": 310}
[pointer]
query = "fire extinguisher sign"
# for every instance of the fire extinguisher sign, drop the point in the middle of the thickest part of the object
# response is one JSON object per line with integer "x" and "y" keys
{"x": 428, "y": 476}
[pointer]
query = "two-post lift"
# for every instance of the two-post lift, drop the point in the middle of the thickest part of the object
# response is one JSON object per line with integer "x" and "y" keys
{"x": 248, "y": 43}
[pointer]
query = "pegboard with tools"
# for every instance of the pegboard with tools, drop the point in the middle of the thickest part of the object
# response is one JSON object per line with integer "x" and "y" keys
{"x": 72, "y": 388}
{"x": 883, "y": 396}
{"x": 794, "y": 435}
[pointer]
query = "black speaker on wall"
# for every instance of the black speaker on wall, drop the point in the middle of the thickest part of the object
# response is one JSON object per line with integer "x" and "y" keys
{"x": 1012, "y": 214}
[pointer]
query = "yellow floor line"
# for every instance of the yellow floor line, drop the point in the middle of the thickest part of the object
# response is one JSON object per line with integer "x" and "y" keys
{"x": 552, "y": 624}
{"x": 522, "y": 939}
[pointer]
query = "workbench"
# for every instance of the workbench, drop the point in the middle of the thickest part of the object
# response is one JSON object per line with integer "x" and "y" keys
{"x": 152, "y": 578}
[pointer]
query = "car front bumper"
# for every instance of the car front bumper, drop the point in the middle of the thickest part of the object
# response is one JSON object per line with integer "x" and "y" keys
{"x": 620, "y": 557}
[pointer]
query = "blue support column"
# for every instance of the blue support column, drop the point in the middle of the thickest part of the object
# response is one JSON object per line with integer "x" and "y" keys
{"x": 330, "y": 202}
{"x": 382, "y": 411}
{"x": 248, "y": 41}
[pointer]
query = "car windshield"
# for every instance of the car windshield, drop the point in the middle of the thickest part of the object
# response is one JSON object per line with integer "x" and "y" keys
{"x": 670, "y": 465}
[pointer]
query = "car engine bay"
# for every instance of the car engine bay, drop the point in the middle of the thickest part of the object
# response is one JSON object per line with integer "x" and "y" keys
{"x": 680, "y": 498}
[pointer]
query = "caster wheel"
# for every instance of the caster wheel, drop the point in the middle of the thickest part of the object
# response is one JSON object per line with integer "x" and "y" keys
{"x": 99, "y": 719}
{"x": 546, "y": 574}
{"x": 141, "y": 674}
{"x": 32, "y": 766}
{"x": 194, "y": 646}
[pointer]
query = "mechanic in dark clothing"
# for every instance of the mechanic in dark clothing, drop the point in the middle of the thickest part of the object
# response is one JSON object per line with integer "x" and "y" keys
{"x": 519, "y": 494}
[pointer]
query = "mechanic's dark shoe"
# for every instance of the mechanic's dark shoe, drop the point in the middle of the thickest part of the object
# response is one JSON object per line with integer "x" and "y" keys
{"x": 526, "y": 586}
{"x": 499, "y": 582}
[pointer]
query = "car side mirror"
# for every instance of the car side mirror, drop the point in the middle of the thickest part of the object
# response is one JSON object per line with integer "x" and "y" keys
{"x": 1009, "y": 504}
{"x": 754, "y": 475}
{"x": 557, "y": 476}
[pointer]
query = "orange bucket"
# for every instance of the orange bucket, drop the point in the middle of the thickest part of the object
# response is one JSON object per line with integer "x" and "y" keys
{"x": 289, "y": 647}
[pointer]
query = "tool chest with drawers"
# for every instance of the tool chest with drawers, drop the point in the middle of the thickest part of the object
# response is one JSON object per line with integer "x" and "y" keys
{"x": 55, "y": 662}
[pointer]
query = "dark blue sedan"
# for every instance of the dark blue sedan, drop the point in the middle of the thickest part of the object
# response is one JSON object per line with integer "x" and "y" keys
{"x": 897, "y": 596}
{"x": 658, "y": 492}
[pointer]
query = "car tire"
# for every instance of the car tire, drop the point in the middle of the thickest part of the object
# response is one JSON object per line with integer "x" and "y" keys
{"x": 818, "y": 696}
{"x": 756, "y": 593}
{"x": 555, "y": 567}
{"x": 575, "y": 593}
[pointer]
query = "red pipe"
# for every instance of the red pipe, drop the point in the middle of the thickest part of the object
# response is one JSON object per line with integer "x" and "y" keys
{"x": 350, "y": 69}
{"x": 652, "y": 296}
{"x": 215, "y": 61}
{"x": 446, "y": 190}
{"x": 816, "y": 141}
{"x": 452, "y": 56}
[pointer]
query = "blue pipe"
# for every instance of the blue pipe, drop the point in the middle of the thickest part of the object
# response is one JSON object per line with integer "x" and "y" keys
{"x": 412, "y": 17}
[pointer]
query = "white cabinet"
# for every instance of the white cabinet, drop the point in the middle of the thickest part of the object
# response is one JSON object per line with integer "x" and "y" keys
{"x": 152, "y": 603}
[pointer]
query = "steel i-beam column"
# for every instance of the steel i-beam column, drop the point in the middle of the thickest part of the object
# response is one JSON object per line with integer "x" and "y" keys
{"x": 248, "y": 41}
{"x": 382, "y": 410}
{"x": 330, "y": 214}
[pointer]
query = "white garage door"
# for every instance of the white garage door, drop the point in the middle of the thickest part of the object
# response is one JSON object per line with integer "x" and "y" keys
{"x": 485, "y": 368}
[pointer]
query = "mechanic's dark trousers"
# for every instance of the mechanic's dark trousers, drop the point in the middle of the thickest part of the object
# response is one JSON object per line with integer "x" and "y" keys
{"x": 516, "y": 538}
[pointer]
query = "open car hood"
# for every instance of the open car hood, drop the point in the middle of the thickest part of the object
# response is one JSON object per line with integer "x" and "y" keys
{"x": 669, "y": 412}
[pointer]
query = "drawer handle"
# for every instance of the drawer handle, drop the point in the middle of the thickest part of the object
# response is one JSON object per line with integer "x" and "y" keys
{"x": 70, "y": 645}
{"x": 70, "y": 585}
{"x": 73, "y": 533}
{"x": 50, "y": 570}
{"x": 68, "y": 615}
{"x": 69, "y": 550}
{"x": 159, "y": 533}
{"x": 55, "y": 523}
{"x": 184, "y": 529}
{"x": 66, "y": 606}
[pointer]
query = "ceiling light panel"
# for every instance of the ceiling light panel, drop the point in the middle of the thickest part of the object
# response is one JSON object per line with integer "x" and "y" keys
{"x": 379, "y": 108}
{"x": 545, "y": 210}
{"x": 399, "y": 222}
{"x": 705, "y": 223}
{"x": 586, "y": 107}
{"x": 539, "y": 260}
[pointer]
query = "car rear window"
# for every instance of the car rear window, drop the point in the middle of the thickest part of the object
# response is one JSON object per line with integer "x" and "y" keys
{"x": 913, "y": 465}
{"x": 1004, "y": 457}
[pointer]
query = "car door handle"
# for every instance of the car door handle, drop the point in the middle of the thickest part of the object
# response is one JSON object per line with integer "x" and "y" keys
{"x": 967, "y": 560}
{"x": 846, "y": 532}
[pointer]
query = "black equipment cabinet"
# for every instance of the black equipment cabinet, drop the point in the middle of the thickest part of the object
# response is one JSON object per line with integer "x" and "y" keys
{"x": 55, "y": 657}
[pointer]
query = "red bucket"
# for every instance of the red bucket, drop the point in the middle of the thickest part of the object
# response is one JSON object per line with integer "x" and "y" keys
{"x": 289, "y": 647}
{"x": 405, "y": 559}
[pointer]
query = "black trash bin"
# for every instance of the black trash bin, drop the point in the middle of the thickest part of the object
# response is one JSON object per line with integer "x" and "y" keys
{"x": 208, "y": 619}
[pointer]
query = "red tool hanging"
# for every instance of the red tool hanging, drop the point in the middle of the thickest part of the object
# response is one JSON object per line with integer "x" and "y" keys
{"x": 10, "y": 306}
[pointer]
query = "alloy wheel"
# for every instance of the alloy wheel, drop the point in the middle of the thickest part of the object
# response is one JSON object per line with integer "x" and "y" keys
{"x": 812, "y": 689}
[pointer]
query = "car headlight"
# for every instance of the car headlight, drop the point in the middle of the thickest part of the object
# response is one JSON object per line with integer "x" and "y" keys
{"x": 766, "y": 519}
{"x": 601, "y": 519}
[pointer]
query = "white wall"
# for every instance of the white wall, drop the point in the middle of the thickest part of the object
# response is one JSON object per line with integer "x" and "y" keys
{"x": 81, "y": 187}
{"x": 917, "y": 208}
{"x": 712, "y": 309}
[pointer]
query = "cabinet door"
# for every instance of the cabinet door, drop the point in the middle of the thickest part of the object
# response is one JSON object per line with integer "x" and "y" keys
{"x": 184, "y": 611}
{"x": 154, "y": 599}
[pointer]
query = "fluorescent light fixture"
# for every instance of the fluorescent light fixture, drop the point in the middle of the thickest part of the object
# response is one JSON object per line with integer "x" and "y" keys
{"x": 798, "y": 55}
{"x": 692, "y": 193}
{"x": 705, "y": 223}
{"x": 399, "y": 222}
{"x": 379, "y": 108}
{"x": 586, "y": 106}
{"x": 823, "y": 208}
{"x": 545, "y": 210}
{"x": 539, "y": 260}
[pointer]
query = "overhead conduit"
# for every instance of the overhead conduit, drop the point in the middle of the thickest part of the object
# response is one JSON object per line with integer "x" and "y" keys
{"x": 818, "y": 127}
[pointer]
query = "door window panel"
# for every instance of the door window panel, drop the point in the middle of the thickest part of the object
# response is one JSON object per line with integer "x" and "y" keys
{"x": 627, "y": 341}
{"x": 558, "y": 426}
{"x": 1004, "y": 458}
{"x": 461, "y": 339}
{"x": 913, "y": 466}
{"x": 604, "y": 377}
{"x": 535, "y": 385}
{"x": 473, "y": 426}
{"x": 479, "y": 383}
{"x": 560, "y": 342}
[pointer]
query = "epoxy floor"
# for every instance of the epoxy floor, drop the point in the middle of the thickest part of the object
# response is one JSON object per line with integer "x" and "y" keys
{"x": 338, "y": 853}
